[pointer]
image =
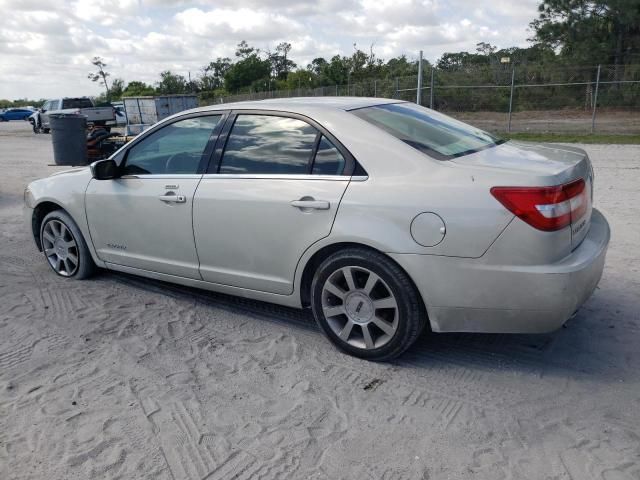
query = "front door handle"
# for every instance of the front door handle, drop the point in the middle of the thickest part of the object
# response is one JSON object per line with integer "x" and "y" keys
{"x": 310, "y": 203}
{"x": 172, "y": 197}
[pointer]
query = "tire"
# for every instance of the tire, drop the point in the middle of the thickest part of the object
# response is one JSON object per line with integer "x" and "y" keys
{"x": 46, "y": 130}
{"x": 64, "y": 247}
{"x": 377, "y": 314}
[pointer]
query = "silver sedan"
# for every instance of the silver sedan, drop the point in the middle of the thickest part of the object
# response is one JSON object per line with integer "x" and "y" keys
{"x": 382, "y": 216}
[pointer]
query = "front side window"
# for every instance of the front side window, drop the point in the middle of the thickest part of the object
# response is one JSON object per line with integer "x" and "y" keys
{"x": 430, "y": 132}
{"x": 174, "y": 149}
{"x": 268, "y": 144}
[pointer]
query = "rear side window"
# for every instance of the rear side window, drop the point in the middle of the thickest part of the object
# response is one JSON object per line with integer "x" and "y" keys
{"x": 268, "y": 144}
{"x": 430, "y": 132}
{"x": 328, "y": 159}
{"x": 76, "y": 103}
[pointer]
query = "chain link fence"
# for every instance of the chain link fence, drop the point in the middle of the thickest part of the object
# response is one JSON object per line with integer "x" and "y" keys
{"x": 505, "y": 98}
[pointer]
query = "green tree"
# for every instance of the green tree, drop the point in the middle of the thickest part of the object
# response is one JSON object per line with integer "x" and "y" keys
{"x": 281, "y": 65}
{"x": 243, "y": 50}
{"x": 590, "y": 32}
{"x": 101, "y": 74}
{"x": 400, "y": 67}
{"x": 138, "y": 89}
{"x": 245, "y": 72}
{"x": 171, "y": 83}
{"x": 300, "y": 79}
{"x": 117, "y": 87}
{"x": 213, "y": 74}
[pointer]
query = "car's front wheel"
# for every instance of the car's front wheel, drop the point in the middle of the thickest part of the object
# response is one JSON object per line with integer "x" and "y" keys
{"x": 366, "y": 304}
{"x": 64, "y": 246}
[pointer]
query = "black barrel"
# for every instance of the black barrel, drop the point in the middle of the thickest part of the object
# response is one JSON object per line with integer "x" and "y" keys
{"x": 69, "y": 137}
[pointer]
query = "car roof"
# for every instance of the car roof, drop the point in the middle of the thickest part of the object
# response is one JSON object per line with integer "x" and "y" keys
{"x": 302, "y": 105}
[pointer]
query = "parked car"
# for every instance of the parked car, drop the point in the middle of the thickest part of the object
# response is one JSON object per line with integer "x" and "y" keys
{"x": 15, "y": 114}
{"x": 381, "y": 216}
{"x": 83, "y": 105}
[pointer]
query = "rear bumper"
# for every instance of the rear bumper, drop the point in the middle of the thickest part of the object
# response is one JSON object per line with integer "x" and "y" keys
{"x": 471, "y": 295}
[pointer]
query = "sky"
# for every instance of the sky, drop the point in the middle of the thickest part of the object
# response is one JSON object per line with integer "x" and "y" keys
{"x": 46, "y": 47}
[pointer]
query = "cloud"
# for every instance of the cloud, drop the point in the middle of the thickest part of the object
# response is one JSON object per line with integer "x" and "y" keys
{"x": 243, "y": 23}
{"x": 46, "y": 47}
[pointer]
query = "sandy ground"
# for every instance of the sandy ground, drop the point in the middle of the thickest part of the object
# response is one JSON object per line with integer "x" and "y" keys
{"x": 119, "y": 377}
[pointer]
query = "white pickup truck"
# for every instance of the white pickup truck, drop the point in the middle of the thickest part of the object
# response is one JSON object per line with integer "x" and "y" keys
{"x": 82, "y": 106}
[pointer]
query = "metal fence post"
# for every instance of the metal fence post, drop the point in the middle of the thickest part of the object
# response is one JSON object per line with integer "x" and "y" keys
{"x": 395, "y": 95}
{"x": 513, "y": 81}
{"x": 336, "y": 89}
{"x": 431, "y": 88}
{"x": 419, "y": 90}
{"x": 375, "y": 88}
{"x": 595, "y": 102}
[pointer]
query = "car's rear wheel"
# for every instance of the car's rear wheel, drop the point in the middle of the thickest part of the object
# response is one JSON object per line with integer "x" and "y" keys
{"x": 366, "y": 304}
{"x": 64, "y": 246}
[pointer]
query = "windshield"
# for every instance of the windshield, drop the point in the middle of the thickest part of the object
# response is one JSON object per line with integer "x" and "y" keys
{"x": 433, "y": 133}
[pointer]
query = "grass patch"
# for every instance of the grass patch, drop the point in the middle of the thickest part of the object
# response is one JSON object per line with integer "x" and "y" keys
{"x": 573, "y": 138}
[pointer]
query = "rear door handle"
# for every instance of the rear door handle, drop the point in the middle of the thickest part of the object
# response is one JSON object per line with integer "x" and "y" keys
{"x": 311, "y": 204}
{"x": 173, "y": 198}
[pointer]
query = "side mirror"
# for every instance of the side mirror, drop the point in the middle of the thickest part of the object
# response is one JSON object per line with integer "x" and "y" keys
{"x": 104, "y": 169}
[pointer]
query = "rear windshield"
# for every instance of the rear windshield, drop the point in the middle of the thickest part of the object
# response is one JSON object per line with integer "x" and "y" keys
{"x": 430, "y": 132}
{"x": 76, "y": 103}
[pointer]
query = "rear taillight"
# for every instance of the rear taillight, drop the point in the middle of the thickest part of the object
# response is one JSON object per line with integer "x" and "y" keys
{"x": 545, "y": 208}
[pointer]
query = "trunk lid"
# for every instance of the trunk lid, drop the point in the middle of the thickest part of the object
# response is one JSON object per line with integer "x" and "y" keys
{"x": 515, "y": 164}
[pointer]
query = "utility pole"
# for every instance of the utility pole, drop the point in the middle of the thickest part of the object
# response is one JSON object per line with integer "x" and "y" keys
{"x": 595, "y": 102}
{"x": 513, "y": 84}
{"x": 433, "y": 70}
{"x": 419, "y": 92}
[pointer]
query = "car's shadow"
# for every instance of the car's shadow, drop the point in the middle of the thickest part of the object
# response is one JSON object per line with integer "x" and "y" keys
{"x": 587, "y": 345}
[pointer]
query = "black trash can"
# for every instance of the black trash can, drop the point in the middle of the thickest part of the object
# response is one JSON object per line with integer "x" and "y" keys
{"x": 69, "y": 137}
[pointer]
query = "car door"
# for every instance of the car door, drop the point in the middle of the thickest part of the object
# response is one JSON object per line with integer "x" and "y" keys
{"x": 263, "y": 202}
{"x": 44, "y": 115}
{"x": 143, "y": 219}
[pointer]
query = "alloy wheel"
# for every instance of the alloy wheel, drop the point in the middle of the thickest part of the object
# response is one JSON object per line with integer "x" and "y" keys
{"x": 360, "y": 307}
{"x": 60, "y": 248}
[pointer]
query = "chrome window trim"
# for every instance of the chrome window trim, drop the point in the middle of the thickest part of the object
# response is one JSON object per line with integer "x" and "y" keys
{"x": 187, "y": 176}
{"x": 263, "y": 176}
{"x": 275, "y": 176}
